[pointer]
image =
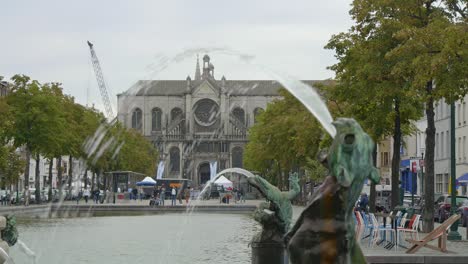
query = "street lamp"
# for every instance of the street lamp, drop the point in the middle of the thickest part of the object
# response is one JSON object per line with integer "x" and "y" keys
{"x": 453, "y": 234}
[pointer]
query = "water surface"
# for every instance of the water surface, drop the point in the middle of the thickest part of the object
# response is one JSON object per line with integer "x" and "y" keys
{"x": 166, "y": 238}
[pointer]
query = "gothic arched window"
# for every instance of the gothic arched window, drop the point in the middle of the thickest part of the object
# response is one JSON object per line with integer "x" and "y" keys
{"x": 174, "y": 155}
{"x": 237, "y": 157}
{"x": 257, "y": 111}
{"x": 239, "y": 114}
{"x": 175, "y": 112}
{"x": 156, "y": 115}
{"x": 137, "y": 115}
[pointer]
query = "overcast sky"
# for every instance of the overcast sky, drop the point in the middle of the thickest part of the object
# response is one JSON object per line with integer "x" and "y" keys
{"x": 47, "y": 39}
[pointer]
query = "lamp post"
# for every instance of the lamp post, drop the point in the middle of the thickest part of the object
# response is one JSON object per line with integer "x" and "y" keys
{"x": 422, "y": 174}
{"x": 453, "y": 234}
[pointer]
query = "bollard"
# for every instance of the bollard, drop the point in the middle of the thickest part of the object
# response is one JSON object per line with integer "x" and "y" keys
{"x": 269, "y": 253}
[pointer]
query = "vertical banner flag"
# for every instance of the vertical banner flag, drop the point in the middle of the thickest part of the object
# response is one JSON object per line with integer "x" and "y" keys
{"x": 213, "y": 167}
{"x": 159, "y": 174}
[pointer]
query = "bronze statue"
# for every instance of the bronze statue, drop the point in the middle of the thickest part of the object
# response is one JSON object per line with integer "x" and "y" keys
{"x": 324, "y": 232}
{"x": 274, "y": 215}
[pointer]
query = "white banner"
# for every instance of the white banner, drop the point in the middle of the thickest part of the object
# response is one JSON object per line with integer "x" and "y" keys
{"x": 160, "y": 171}
{"x": 213, "y": 168}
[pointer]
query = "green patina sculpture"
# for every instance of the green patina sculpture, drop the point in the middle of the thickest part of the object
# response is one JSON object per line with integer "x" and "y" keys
{"x": 325, "y": 232}
{"x": 276, "y": 214}
{"x": 10, "y": 233}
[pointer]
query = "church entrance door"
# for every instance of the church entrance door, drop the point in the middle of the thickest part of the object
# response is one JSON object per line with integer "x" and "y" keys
{"x": 204, "y": 172}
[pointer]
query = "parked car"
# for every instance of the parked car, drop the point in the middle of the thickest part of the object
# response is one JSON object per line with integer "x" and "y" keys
{"x": 443, "y": 205}
{"x": 463, "y": 211}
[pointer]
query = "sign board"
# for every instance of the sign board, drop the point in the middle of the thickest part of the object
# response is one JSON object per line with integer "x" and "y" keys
{"x": 421, "y": 163}
{"x": 414, "y": 166}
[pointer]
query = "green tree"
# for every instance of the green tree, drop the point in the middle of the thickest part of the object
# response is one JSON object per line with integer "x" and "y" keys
{"x": 421, "y": 43}
{"x": 11, "y": 167}
{"x": 285, "y": 136}
{"x": 38, "y": 120}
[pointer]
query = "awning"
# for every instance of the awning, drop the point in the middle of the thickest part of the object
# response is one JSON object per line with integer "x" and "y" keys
{"x": 463, "y": 178}
{"x": 146, "y": 182}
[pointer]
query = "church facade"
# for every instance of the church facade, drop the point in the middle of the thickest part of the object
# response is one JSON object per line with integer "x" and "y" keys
{"x": 195, "y": 121}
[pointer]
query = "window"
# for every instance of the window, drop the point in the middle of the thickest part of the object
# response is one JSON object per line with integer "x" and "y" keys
{"x": 448, "y": 143}
{"x": 175, "y": 113}
{"x": 442, "y": 150}
{"x": 459, "y": 148}
{"x": 459, "y": 114}
{"x": 257, "y": 111}
{"x": 136, "y": 119}
{"x": 437, "y": 146}
{"x": 174, "y": 156}
{"x": 237, "y": 157}
{"x": 464, "y": 147}
{"x": 385, "y": 159}
{"x": 239, "y": 114}
{"x": 442, "y": 109}
{"x": 439, "y": 183}
{"x": 156, "y": 115}
{"x": 464, "y": 113}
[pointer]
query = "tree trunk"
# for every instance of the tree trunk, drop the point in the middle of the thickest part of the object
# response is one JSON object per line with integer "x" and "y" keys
{"x": 70, "y": 174}
{"x": 37, "y": 180}
{"x": 428, "y": 215}
{"x": 396, "y": 157}
{"x": 51, "y": 164}
{"x": 97, "y": 179}
{"x": 372, "y": 186}
{"x": 93, "y": 177}
{"x": 26, "y": 169}
{"x": 86, "y": 178}
{"x": 59, "y": 176}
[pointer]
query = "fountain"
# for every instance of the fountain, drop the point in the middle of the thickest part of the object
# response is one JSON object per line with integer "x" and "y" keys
{"x": 324, "y": 232}
{"x": 9, "y": 237}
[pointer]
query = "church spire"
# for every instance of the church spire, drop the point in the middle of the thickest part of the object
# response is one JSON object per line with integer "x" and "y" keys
{"x": 197, "y": 71}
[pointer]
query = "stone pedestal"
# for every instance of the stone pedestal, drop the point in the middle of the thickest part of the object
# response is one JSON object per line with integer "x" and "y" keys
{"x": 3, "y": 244}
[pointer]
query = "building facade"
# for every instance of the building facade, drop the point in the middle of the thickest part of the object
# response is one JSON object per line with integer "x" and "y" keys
{"x": 415, "y": 147}
{"x": 196, "y": 121}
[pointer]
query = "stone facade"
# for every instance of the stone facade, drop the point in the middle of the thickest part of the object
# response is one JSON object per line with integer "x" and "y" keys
{"x": 195, "y": 121}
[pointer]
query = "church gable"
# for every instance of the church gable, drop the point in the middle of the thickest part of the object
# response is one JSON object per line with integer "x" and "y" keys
{"x": 206, "y": 89}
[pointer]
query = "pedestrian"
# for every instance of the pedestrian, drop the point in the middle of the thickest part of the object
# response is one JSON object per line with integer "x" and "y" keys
{"x": 187, "y": 195}
{"x": 173, "y": 196}
{"x": 80, "y": 194}
{"x": 162, "y": 194}
{"x": 364, "y": 201}
{"x": 241, "y": 196}
{"x": 86, "y": 195}
{"x": 96, "y": 196}
{"x": 135, "y": 193}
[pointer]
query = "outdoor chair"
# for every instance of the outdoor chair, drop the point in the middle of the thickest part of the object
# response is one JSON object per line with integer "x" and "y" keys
{"x": 379, "y": 231}
{"x": 411, "y": 229}
{"x": 439, "y": 233}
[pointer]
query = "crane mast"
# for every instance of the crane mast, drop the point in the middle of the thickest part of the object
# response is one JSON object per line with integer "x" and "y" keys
{"x": 101, "y": 83}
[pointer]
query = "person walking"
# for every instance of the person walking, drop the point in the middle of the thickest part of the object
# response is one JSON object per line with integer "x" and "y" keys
{"x": 96, "y": 196}
{"x": 173, "y": 196}
{"x": 162, "y": 194}
{"x": 364, "y": 201}
{"x": 78, "y": 198}
{"x": 86, "y": 195}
